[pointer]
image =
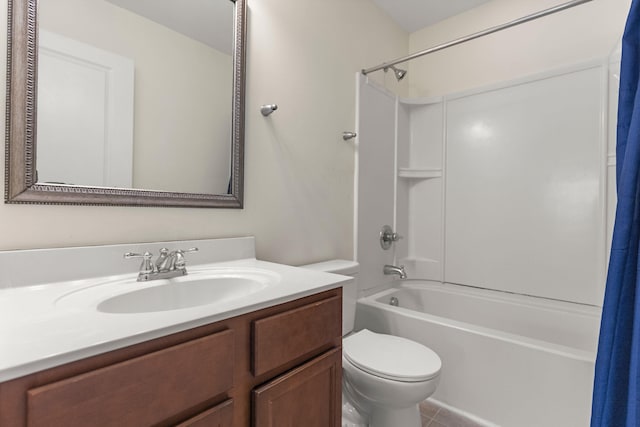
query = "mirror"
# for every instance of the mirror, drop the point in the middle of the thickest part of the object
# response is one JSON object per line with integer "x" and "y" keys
{"x": 131, "y": 102}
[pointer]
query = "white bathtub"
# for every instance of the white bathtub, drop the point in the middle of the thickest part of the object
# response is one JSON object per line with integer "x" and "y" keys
{"x": 508, "y": 360}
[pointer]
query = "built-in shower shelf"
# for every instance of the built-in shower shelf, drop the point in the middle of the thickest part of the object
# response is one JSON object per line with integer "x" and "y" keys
{"x": 415, "y": 173}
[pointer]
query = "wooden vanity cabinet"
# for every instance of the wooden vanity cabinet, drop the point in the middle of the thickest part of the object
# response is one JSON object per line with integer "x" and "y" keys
{"x": 273, "y": 367}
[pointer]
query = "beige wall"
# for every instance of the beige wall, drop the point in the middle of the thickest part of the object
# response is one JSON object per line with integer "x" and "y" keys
{"x": 303, "y": 55}
{"x": 588, "y": 31}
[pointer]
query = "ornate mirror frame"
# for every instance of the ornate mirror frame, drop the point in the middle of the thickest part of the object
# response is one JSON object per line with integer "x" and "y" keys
{"x": 20, "y": 142}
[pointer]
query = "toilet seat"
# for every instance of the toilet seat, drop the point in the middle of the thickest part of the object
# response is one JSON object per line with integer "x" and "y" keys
{"x": 391, "y": 357}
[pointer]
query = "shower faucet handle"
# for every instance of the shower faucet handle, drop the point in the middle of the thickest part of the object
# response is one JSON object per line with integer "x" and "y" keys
{"x": 387, "y": 237}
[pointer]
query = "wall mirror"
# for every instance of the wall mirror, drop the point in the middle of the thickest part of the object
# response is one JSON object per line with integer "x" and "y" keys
{"x": 126, "y": 102}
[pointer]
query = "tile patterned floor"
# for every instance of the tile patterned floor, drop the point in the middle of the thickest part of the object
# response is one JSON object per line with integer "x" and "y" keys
{"x": 436, "y": 416}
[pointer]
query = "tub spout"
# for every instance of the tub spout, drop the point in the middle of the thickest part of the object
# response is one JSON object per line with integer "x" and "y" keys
{"x": 392, "y": 269}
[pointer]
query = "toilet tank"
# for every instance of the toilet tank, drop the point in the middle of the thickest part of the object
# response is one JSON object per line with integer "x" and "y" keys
{"x": 349, "y": 290}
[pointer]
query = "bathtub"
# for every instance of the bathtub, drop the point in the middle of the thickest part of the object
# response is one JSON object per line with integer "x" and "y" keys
{"x": 508, "y": 360}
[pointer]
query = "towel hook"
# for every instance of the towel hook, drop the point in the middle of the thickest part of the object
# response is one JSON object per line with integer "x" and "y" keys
{"x": 348, "y": 135}
{"x": 268, "y": 109}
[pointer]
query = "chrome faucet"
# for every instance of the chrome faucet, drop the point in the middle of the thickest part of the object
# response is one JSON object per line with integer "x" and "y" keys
{"x": 392, "y": 269}
{"x": 167, "y": 265}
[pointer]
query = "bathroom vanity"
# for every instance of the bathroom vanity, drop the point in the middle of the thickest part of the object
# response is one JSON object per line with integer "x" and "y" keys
{"x": 241, "y": 363}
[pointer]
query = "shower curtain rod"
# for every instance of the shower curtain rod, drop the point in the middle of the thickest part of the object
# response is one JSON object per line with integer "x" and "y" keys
{"x": 482, "y": 33}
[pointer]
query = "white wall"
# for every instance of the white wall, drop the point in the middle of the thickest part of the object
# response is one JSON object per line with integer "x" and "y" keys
{"x": 299, "y": 173}
{"x": 589, "y": 31}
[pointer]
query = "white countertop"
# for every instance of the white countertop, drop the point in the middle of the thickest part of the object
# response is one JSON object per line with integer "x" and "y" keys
{"x": 37, "y": 333}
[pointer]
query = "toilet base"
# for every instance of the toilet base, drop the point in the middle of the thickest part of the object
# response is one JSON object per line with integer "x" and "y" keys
{"x": 351, "y": 417}
{"x": 389, "y": 417}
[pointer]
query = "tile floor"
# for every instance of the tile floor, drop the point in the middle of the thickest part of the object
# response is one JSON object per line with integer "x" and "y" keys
{"x": 436, "y": 416}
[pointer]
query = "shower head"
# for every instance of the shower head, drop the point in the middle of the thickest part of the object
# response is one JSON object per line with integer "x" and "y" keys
{"x": 399, "y": 73}
{"x": 396, "y": 72}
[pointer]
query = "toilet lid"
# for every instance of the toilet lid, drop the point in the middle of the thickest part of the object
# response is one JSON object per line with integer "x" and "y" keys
{"x": 391, "y": 357}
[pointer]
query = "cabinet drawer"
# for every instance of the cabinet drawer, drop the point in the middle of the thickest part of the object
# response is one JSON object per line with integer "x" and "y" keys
{"x": 305, "y": 331}
{"x": 142, "y": 391}
{"x": 218, "y": 416}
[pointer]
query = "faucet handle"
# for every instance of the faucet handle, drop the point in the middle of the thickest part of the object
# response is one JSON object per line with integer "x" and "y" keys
{"x": 146, "y": 266}
{"x": 388, "y": 236}
{"x": 179, "y": 261}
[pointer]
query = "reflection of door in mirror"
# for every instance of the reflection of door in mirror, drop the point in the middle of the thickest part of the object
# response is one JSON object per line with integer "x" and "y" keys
{"x": 85, "y": 114}
{"x": 182, "y": 91}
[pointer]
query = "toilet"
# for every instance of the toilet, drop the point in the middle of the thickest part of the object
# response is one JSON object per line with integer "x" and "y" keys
{"x": 384, "y": 377}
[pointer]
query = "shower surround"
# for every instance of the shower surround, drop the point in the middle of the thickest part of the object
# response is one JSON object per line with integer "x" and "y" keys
{"x": 504, "y": 189}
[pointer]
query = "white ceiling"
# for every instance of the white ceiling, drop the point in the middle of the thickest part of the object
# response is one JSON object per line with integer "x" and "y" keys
{"x": 210, "y": 22}
{"x": 414, "y": 15}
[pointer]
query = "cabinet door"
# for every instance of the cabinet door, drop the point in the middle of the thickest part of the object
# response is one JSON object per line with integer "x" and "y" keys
{"x": 309, "y": 395}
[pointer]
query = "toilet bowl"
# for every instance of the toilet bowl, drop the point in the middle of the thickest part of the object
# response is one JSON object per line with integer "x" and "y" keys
{"x": 388, "y": 376}
{"x": 385, "y": 377}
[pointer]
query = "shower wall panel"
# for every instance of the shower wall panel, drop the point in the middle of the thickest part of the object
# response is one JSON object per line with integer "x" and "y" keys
{"x": 375, "y": 183}
{"x": 420, "y": 177}
{"x": 614, "y": 87}
{"x": 526, "y": 187}
{"x": 403, "y": 155}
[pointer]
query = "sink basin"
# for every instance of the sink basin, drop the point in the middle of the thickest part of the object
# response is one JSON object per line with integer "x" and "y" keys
{"x": 193, "y": 290}
{"x": 176, "y": 296}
